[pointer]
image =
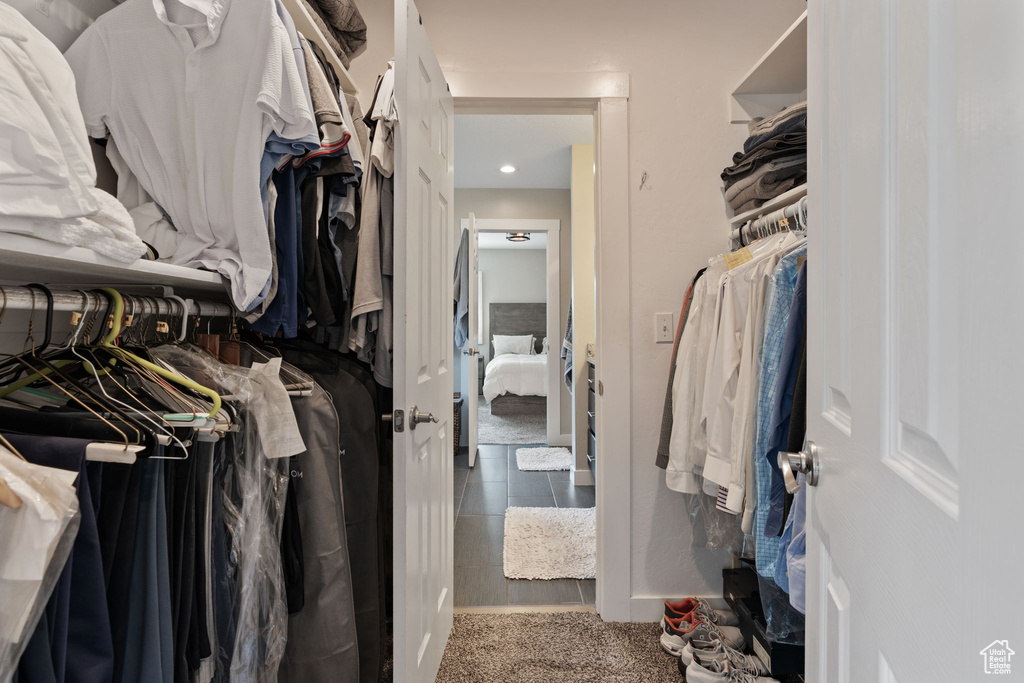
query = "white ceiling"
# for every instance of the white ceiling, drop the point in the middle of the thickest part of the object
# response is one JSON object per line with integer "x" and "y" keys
{"x": 538, "y": 146}
{"x": 496, "y": 240}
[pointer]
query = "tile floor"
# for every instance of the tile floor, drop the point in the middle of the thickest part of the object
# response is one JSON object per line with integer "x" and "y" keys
{"x": 482, "y": 495}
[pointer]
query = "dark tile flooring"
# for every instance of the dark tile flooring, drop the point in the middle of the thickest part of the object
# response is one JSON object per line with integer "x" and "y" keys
{"x": 482, "y": 495}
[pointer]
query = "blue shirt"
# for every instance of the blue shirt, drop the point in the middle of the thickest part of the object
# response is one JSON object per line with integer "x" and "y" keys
{"x": 778, "y": 301}
{"x": 779, "y": 423}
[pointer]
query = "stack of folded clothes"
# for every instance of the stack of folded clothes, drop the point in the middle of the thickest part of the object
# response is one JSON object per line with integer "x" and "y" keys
{"x": 773, "y": 160}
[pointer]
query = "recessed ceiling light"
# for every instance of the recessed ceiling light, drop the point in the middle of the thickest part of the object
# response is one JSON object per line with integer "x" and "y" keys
{"x": 508, "y": 168}
{"x": 517, "y": 236}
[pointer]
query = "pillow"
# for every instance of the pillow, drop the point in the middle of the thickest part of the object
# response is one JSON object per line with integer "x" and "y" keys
{"x": 544, "y": 347}
{"x": 513, "y": 344}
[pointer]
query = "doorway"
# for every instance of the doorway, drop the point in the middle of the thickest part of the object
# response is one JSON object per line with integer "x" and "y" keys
{"x": 517, "y": 456}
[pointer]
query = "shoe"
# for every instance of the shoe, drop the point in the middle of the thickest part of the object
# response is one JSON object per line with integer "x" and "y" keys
{"x": 675, "y": 610}
{"x": 676, "y": 633}
{"x": 722, "y": 672}
{"x": 719, "y": 651}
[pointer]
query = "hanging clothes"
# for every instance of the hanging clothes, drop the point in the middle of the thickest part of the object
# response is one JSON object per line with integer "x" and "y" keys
{"x": 210, "y": 186}
{"x": 461, "y": 287}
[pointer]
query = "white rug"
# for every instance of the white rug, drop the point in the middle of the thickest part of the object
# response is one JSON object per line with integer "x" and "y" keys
{"x": 544, "y": 459}
{"x": 550, "y": 543}
{"x": 510, "y": 429}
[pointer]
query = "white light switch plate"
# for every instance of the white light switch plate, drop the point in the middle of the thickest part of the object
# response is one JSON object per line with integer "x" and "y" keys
{"x": 663, "y": 328}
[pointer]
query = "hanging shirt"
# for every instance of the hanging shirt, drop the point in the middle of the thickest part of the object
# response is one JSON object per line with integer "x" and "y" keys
{"x": 778, "y": 303}
{"x": 191, "y": 94}
{"x": 687, "y": 447}
{"x": 728, "y": 401}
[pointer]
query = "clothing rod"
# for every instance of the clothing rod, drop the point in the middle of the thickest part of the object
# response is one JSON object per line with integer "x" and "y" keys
{"x": 760, "y": 222}
{"x": 21, "y": 299}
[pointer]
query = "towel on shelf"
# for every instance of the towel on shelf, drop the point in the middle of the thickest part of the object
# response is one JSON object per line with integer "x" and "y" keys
{"x": 109, "y": 232}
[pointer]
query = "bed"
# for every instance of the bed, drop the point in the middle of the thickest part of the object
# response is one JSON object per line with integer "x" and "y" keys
{"x": 517, "y": 384}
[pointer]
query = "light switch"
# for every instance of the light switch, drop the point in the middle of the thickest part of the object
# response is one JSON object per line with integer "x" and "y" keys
{"x": 663, "y": 328}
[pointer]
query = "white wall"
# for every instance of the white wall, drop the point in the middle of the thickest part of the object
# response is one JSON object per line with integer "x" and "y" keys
{"x": 684, "y": 57}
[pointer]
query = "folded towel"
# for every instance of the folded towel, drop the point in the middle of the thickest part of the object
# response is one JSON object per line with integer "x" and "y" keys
{"x": 110, "y": 231}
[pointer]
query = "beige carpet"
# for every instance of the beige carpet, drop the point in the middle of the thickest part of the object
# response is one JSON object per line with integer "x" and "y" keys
{"x": 567, "y": 647}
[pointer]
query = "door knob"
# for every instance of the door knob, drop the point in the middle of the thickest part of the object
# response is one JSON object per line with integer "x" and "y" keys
{"x": 805, "y": 462}
{"x": 416, "y": 417}
{"x": 471, "y": 352}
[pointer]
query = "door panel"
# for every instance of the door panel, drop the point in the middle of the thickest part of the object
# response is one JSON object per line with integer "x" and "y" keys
{"x": 475, "y": 343}
{"x": 423, "y": 517}
{"x": 913, "y": 351}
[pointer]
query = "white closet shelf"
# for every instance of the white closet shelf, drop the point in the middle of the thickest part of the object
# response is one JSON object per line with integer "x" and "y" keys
{"x": 784, "y": 199}
{"x": 308, "y": 28}
{"x": 26, "y": 259}
{"x": 778, "y": 80}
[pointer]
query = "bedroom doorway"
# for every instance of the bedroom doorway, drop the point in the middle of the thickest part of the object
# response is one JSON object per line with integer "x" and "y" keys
{"x": 515, "y": 296}
{"x": 517, "y": 483}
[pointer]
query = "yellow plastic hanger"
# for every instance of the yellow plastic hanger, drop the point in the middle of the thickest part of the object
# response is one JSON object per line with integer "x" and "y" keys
{"x": 108, "y": 343}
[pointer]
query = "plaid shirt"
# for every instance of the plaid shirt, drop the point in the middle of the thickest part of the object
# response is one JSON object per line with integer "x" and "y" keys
{"x": 778, "y": 302}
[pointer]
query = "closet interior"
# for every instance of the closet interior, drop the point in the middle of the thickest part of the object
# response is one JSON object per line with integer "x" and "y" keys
{"x": 735, "y": 403}
{"x": 196, "y": 338}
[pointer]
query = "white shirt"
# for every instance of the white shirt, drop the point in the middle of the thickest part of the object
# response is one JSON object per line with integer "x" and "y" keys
{"x": 46, "y": 166}
{"x": 687, "y": 447}
{"x": 729, "y": 397}
{"x": 190, "y": 93}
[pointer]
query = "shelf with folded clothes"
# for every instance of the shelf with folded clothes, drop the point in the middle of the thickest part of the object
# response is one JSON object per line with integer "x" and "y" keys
{"x": 314, "y": 30}
{"x": 779, "y": 78}
{"x": 27, "y": 259}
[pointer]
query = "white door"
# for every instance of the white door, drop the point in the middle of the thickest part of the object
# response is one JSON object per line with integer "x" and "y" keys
{"x": 473, "y": 345}
{"x": 423, "y": 515}
{"x": 914, "y": 340}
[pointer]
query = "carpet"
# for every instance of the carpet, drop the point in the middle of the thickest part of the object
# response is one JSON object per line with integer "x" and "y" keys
{"x": 550, "y": 543}
{"x": 567, "y": 647}
{"x": 543, "y": 459}
{"x": 510, "y": 429}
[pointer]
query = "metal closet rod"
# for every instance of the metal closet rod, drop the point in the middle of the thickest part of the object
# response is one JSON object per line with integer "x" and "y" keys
{"x": 21, "y": 299}
{"x": 760, "y": 222}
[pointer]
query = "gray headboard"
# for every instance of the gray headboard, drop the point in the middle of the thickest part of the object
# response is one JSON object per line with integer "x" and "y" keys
{"x": 519, "y": 319}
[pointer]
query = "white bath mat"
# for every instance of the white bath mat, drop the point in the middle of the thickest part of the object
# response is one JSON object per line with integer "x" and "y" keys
{"x": 550, "y": 543}
{"x": 544, "y": 459}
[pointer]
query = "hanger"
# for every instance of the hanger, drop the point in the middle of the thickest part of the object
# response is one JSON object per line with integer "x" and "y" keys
{"x": 108, "y": 343}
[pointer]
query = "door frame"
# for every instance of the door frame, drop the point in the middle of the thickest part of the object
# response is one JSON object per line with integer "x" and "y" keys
{"x": 605, "y": 96}
{"x": 552, "y": 228}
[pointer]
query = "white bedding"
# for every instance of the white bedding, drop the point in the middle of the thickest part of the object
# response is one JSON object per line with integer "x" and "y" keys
{"x": 521, "y": 375}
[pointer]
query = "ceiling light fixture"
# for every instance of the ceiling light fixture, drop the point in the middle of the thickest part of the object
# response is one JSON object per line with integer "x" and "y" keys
{"x": 508, "y": 168}
{"x": 517, "y": 236}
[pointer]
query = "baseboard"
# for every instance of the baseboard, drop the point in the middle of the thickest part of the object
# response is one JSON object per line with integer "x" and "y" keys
{"x": 561, "y": 440}
{"x": 582, "y": 477}
{"x": 650, "y": 608}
